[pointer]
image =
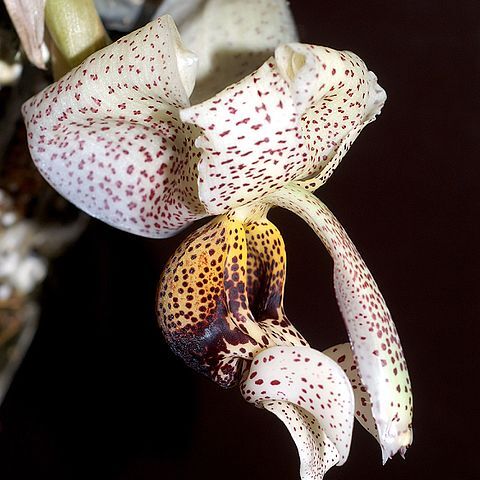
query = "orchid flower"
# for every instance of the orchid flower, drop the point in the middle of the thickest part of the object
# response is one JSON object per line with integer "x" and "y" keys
{"x": 127, "y": 138}
{"x": 74, "y": 31}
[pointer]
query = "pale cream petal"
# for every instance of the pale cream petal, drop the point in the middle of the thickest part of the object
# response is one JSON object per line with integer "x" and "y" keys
{"x": 291, "y": 120}
{"x": 320, "y": 419}
{"x": 336, "y": 95}
{"x": 317, "y": 453}
{"x": 28, "y": 18}
{"x": 343, "y": 355}
{"x": 107, "y": 135}
{"x": 374, "y": 338}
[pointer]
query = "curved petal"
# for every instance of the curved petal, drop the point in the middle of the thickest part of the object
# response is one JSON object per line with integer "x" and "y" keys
{"x": 28, "y": 19}
{"x": 108, "y": 138}
{"x": 343, "y": 355}
{"x": 311, "y": 394}
{"x": 373, "y": 335}
{"x": 336, "y": 95}
{"x": 292, "y": 119}
{"x": 232, "y": 38}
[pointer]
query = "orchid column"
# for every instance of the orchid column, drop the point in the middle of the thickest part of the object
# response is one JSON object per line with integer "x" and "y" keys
{"x": 120, "y": 138}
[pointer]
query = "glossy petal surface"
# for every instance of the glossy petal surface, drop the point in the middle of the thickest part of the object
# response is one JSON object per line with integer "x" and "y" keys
{"x": 321, "y": 419}
{"x": 373, "y": 335}
{"x": 232, "y": 38}
{"x": 292, "y": 119}
{"x": 108, "y": 138}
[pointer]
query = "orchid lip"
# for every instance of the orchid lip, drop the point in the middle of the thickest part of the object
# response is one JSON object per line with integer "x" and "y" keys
{"x": 220, "y": 297}
{"x": 312, "y": 395}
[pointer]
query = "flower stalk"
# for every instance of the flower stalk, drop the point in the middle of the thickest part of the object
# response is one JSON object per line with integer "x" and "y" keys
{"x": 75, "y": 30}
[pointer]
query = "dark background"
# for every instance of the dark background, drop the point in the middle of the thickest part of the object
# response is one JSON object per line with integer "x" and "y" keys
{"x": 100, "y": 395}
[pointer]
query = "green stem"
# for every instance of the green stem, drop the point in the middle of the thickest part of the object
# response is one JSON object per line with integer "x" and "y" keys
{"x": 76, "y": 32}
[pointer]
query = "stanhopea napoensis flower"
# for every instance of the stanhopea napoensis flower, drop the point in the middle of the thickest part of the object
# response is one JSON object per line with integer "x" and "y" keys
{"x": 272, "y": 119}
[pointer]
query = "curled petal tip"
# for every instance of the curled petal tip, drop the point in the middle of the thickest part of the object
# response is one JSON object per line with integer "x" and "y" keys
{"x": 377, "y": 98}
{"x": 395, "y": 442}
{"x": 312, "y": 396}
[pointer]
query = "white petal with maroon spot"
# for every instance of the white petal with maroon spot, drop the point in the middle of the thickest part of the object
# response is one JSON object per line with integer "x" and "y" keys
{"x": 318, "y": 454}
{"x": 292, "y": 119}
{"x": 108, "y": 138}
{"x": 373, "y": 335}
{"x": 232, "y": 38}
{"x": 316, "y": 385}
{"x": 343, "y": 355}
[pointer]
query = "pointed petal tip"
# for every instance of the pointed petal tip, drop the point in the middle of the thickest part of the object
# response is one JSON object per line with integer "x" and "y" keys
{"x": 397, "y": 443}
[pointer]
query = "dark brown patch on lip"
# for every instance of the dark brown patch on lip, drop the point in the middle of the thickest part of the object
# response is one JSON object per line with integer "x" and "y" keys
{"x": 220, "y": 297}
{"x": 205, "y": 347}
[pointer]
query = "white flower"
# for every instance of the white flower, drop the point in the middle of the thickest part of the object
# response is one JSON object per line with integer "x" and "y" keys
{"x": 120, "y": 138}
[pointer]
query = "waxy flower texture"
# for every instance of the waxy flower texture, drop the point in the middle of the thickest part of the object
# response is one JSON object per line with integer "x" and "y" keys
{"x": 149, "y": 136}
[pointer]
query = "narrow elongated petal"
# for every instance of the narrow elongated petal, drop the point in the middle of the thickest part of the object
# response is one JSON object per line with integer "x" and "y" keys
{"x": 311, "y": 394}
{"x": 292, "y": 119}
{"x": 376, "y": 346}
{"x": 232, "y": 38}
{"x": 28, "y": 18}
{"x": 108, "y": 138}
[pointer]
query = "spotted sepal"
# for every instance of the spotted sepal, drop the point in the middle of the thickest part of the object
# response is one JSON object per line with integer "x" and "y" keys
{"x": 107, "y": 135}
{"x": 311, "y": 394}
{"x": 293, "y": 119}
{"x": 374, "y": 338}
